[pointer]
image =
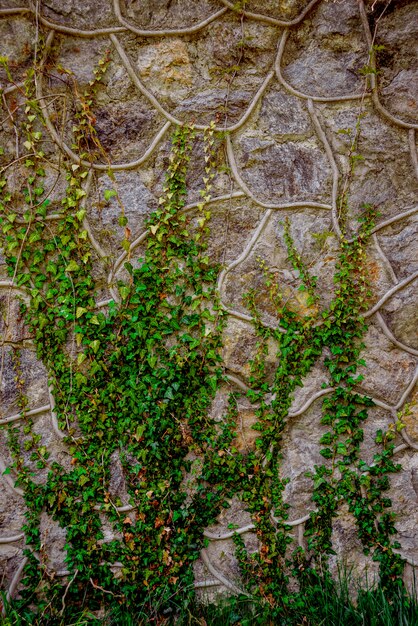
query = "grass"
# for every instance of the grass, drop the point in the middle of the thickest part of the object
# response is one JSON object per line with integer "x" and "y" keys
{"x": 321, "y": 603}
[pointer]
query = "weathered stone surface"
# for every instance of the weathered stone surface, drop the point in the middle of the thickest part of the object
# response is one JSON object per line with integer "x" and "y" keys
{"x": 178, "y": 14}
{"x": 379, "y": 419}
{"x": 363, "y": 570}
{"x": 310, "y": 227}
{"x": 34, "y": 381}
{"x": 284, "y": 172}
{"x": 223, "y": 552}
{"x": 117, "y": 128}
{"x": 237, "y": 354}
{"x": 312, "y": 384}
{"x": 388, "y": 369}
{"x": 208, "y": 104}
{"x": 398, "y": 78}
{"x": 410, "y": 419}
{"x": 12, "y": 326}
{"x": 167, "y": 65}
{"x": 80, "y": 57}
{"x": 79, "y": 13}
{"x": 400, "y": 312}
{"x": 133, "y": 199}
{"x": 403, "y": 493}
{"x": 53, "y": 538}
{"x": 328, "y": 52}
{"x": 234, "y": 221}
{"x": 301, "y": 452}
{"x": 17, "y": 37}
{"x": 398, "y": 243}
{"x": 286, "y": 10}
{"x": 389, "y": 184}
{"x": 283, "y": 114}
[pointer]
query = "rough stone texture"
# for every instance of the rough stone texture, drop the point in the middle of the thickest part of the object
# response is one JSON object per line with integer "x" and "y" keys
{"x": 397, "y": 60}
{"x": 280, "y": 158}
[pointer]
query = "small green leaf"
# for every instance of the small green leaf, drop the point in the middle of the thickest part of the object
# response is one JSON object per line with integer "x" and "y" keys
{"x": 109, "y": 193}
{"x": 124, "y": 292}
{"x": 72, "y": 267}
{"x": 81, "y": 358}
{"x": 95, "y": 345}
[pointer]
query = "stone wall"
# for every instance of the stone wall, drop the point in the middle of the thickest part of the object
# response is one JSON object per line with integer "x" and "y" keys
{"x": 286, "y": 82}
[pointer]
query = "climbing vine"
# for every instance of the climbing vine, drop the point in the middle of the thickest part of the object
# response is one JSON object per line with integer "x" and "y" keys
{"x": 133, "y": 382}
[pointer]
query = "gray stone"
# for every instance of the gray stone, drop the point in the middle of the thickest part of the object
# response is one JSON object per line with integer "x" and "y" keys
{"x": 80, "y": 57}
{"x": 397, "y": 36}
{"x": 83, "y": 14}
{"x": 398, "y": 243}
{"x": 104, "y": 214}
{"x": 401, "y": 94}
{"x": 405, "y": 503}
{"x": 301, "y": 452}
{"x": 214, "y": 104}
{"x": 400, "y": 313}
{"x": 238, "y": 354}
{"x": 283, "y": 114}
{"x": 126, "y": 130}
{"x": 328, "y": 52}
{"x": 318, "y": 73}
{"x": 388, "y": 369}
{"x": 146, "y": 14}
{"x": 390, "y": 183}
{"x": 17, "y": 38}
{"x": 12, "y": 326}
{"x": 232, "y": 222}
{"x": 361, "y": 570}
{"x": 34, "y": 385}
{"x": 286, "y": 10}
{"x": 53, "y": 538}
{"x": 288, "y": 172}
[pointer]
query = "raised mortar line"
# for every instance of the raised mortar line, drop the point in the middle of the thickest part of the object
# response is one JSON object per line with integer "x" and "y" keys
{"x": 373, "y": 75}
{"x": 272, "y": 20}
{"x": 144, "y": 234}
{"x": 335, "y": 173}
{"x": 188, "y": 30}
{"x": 13, "y": 539}
{"x": 407, "y": 391}
{"x": 387, "y": 264}
{"x": 299, "y": 94}
{"x": 395, "y": 219}
{"x": 267, "y": 205}
{"x": 390, "y": 293}
{"x": 411, "y": 134}
{"x": 388, "y": 333}
{"x": 154, "y": 101}
{"x": 413, "y": 149}
{"x": 23, "y": 415}
{"x": 222, "y": 579}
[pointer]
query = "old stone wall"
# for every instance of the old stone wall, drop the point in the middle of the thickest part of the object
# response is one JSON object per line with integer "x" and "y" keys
{"x": 293, "y": 87}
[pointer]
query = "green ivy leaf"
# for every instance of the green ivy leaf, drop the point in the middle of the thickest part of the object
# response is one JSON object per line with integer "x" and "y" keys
{"x": 72, "y": 267}
{"x": 81, "y": 358}
{"x": 95, "y": 345}
{"x": 109, "y": 193}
